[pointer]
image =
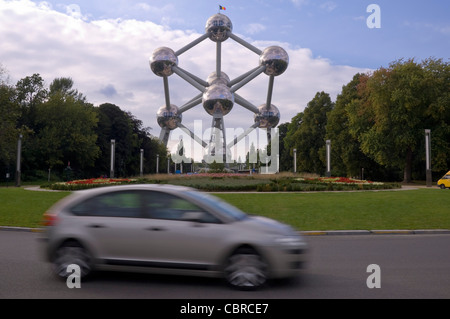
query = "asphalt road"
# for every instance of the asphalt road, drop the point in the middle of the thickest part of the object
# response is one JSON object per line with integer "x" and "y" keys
{"x": 410, "y": 267}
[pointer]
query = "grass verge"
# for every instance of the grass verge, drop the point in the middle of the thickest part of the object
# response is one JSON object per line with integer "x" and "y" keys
{"x": 24, "y": 208}
{"x": 367, "y": 210}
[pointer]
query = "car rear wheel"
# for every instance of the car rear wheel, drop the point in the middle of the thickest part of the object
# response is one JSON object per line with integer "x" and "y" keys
{"x": 72, "y": 253}
{"x": 246, "y": 269}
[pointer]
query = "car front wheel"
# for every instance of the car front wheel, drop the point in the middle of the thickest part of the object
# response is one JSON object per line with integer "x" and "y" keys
{"x": 71, "y": 253}
{"x": 442, "y": 186}
{"x": 246, "y": 269}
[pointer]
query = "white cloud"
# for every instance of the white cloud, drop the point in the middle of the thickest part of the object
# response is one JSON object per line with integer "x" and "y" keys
{"x": 435, "y": 28}
{"x": 300, "y": 3}
{"x": 254, "y": 28}
{"x": 328, "y": 6}
{"x": 108, "y": 61}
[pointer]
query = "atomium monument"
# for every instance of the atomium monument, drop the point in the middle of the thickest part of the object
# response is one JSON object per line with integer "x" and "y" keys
{"x": 218, "y": 94}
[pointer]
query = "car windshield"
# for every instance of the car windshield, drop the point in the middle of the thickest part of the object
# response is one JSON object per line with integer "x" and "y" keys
{"x": 229, "y": 210}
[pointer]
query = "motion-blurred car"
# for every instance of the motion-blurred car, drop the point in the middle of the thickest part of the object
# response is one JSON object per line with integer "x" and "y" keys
{"x": 444, "y": 182}
{"x": 168, "y": 229}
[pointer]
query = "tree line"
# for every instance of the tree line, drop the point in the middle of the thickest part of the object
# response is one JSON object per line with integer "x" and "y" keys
{"x": 65, "y": 135}
{"x": 376, "y": 125}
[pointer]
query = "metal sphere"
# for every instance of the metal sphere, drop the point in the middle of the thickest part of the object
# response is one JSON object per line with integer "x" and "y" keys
{"x": 218, "y": 99}
{"x": 169, "y": 118}
{"x": 162, "y": 61}
{"x": 218, "y": 27}
{"x": 275, "y": 59}
{"x": 213, "y": 79}
{"x": 267, "y": 118}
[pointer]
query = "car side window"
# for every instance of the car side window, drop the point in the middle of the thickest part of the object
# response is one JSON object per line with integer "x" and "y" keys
{"x": 160, "y": 205}
{"x": 116, "y": 204}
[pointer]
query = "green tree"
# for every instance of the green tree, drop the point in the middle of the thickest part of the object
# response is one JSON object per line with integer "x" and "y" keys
{"x": 289, "y": 139}
{"x": 309, "y": 137}
{"x": 396, "y": 105}
{"x": 115, "y": 124}
{"x": 437, "y": 75}
{"x": 346, "y": 155}
{"x": 9, "y": 133}
{"x": 30, "y": 94}
{"x": 64, "y": 87}
{"x": 285, "y": 156}
{"x": 66, "y": 131}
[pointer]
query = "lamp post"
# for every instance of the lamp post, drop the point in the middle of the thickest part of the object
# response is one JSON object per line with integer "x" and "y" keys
{"x": 328, "y": 158}
{"x": 428, "y": 157}
{"x": 19, "y": 160}
{"x": 295, "y": 160}
{"x": 157, "y": 163}
{"x": 141, "y": 171}
{"x": 113, "y": 155}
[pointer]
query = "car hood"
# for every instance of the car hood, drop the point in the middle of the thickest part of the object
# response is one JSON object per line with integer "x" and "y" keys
{"x": 268, "y": 225}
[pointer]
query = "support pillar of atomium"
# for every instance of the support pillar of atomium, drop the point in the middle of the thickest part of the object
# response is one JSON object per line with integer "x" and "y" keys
{"x": 218, "y": 94}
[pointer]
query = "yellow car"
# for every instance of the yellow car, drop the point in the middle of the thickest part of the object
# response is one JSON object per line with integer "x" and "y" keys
{"x": 444, "y": 182}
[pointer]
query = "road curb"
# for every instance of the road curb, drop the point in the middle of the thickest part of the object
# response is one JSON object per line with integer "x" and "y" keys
{"x": 377, "y": 232}
{"x": 21, "y": 229}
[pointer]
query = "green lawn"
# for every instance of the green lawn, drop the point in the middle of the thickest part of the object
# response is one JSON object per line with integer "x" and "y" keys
{"x": 24, "y": 208}
{"x": 411, "y": 209}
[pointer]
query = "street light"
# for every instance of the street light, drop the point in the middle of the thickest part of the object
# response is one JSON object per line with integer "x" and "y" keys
{"x": 328, "y": 158}
{"x": 113, "y": 153}
{"x": 19, "y": 155}
{"x": 295, "y": 160}
{"x": 428, "y": 157}
{"x": 157, "y": 163}
{"x": 141, "y": 171}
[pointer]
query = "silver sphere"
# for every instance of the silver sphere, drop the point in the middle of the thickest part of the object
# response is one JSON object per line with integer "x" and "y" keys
{"x": 213, "y": 79}
{"x": 218, "y": 27}
{"x": 218, "y": 99}
{"x": 275, "y": 59}
{"x": 267, "y": 118}
{"x": 169, "y": 118}
{"x": 162, "y": 61}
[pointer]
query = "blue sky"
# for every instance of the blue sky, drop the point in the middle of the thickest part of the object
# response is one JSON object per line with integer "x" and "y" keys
{"x": 335, "y": 30}
{"x": 105, "y": 45}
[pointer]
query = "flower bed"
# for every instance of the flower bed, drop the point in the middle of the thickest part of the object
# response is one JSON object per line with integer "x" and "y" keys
{"x": 338, "y": 180}
{"x": 217, "y": 182}
{"x": 90, "y": 183}
{"x": 324, "y": 184}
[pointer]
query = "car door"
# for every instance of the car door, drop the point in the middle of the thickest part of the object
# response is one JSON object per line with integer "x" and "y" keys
{"x": 112, "y": 224}
{"x": 182, "y": 234}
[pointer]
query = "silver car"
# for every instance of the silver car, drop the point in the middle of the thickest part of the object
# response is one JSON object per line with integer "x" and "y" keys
{"x": 168, "y": 229}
